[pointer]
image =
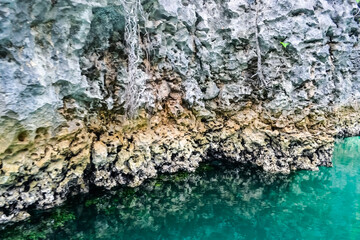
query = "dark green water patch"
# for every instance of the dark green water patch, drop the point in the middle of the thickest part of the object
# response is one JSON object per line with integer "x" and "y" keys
{"x": 216, "y": 202}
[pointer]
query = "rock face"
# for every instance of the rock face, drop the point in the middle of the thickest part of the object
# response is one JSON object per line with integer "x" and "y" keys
{"x": 211, "y": 80}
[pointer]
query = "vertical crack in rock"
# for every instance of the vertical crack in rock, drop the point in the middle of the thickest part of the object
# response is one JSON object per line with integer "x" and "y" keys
{"x": 259, "y": 71}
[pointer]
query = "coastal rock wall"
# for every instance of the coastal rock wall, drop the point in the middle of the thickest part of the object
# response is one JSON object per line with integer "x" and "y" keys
{"x": 211, "y": 81}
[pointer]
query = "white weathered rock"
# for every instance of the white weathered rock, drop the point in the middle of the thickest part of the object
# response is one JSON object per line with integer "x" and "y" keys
{"x": 99, "y": 154}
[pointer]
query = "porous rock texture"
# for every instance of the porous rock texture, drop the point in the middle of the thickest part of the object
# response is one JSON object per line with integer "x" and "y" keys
{"x": 218, "y": 85}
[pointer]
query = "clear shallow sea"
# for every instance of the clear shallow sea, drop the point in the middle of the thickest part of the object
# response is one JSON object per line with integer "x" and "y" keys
{"x": 216, "y": 202}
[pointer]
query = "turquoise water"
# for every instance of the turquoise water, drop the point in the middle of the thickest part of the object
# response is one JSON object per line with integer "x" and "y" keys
{"x": 216, "y": 202}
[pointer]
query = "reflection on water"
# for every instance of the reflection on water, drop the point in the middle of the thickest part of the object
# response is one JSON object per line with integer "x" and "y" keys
{"x": 216, "y": 203}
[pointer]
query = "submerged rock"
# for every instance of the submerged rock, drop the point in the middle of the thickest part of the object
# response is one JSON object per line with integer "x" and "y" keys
{"x": 66, "y": 87}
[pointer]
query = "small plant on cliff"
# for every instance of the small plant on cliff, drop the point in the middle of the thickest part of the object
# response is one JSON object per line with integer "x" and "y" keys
{"x": 284, "y": 44}
{"x": 357, "y": 1}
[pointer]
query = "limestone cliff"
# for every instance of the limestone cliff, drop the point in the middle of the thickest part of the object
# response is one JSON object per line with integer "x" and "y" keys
{"x": 112, "y": 92}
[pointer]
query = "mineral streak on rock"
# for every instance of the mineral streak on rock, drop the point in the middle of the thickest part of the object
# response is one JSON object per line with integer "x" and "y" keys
{"x": 63, "y": 75}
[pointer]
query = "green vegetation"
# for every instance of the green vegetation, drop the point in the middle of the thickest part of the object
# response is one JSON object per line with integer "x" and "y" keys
{"x": 128, "y": 192}
{"x": 181, "y": 176}
{"x": 60, "y": 217}
{"x": 204, "y": 168}
{"x": 158, "y": 184}
{"x": 36, "y": 235}
{"x": 284, "y": 44}
{"x": 91, "y": 202}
